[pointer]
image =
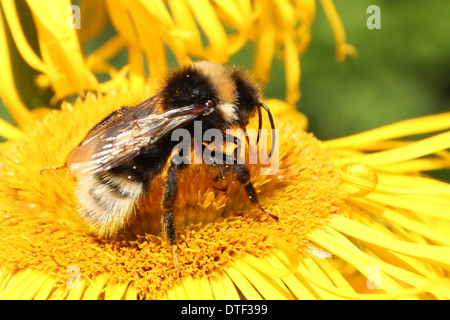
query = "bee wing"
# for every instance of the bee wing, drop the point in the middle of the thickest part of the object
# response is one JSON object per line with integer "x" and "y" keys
{"x": 122, "y": 135}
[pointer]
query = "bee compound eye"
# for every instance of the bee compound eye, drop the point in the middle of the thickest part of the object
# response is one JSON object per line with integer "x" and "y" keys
{"x": 209, "y": 105}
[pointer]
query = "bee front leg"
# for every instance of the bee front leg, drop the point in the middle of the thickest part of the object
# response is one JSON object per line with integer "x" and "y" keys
{"x": 167, "y": 220}
{"x": 242, "y": 175}
{"x": 222, "y": 161}
{"x": 227, "y": 159}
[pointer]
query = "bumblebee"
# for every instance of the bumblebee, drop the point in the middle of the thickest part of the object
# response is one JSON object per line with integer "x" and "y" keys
{"x": 118, "y": 159}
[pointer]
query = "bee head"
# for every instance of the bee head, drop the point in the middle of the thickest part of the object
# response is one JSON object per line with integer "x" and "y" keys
{"x": 229, "y": 96}
{"x": 187, "y": 86}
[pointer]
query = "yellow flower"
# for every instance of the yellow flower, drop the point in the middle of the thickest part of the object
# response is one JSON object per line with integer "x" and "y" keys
{"x": 357, "y": 220}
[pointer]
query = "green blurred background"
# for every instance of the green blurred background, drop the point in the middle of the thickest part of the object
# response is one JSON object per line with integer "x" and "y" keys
{"x": 402, "y": 70}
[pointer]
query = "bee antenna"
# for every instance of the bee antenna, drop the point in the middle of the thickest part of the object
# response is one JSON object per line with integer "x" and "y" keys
{"x": 272, "y": 124}
{"x": 259, "y": 123}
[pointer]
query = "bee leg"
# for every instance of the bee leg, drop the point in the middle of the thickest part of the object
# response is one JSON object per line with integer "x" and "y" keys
{"x": 223, "y": 162}
{"x": 227, "y": 159}
{"x": 224, "y": 171}
{"x": 242, "y": 174}
{"x": 167, "y": 220}
{"x": 168, "y": 223}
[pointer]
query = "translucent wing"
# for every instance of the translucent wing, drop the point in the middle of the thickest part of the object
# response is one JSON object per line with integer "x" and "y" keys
{"x": 124, "y": 133}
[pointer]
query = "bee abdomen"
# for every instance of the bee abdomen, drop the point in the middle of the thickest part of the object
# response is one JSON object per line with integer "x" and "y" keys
{"x": 108, "y": 201}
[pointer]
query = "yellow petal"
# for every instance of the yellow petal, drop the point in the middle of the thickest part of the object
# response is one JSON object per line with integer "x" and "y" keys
{"x": 223, "y": 288}
{"x": 93, "y": 19}
{"x": 244, "y": 285}
{"x": 435, "y": 254}
{"x": 213, "y": 29}
{"x": 266, "y": 286}
{"x": 342, "y": 48}
{"x": 413, "y": 150}
{"x": 292, "y": 65}
{"x": 60, "y": 49}
{"x": 19, "y": 38}
{"x": 95, "y": 289}
{"x": 407, "y": 222}
{"x": 183, "y": 18}
{"x": 8, "y": 91}
{"x": 8, "y": 131}
{"x": 399, "y": 129}
{"x": 265, "y": 45}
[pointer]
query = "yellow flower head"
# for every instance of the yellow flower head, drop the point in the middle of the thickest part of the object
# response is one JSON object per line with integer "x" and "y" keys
{"x": 357, "y": 220}
{"x": 214, "y": 225}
